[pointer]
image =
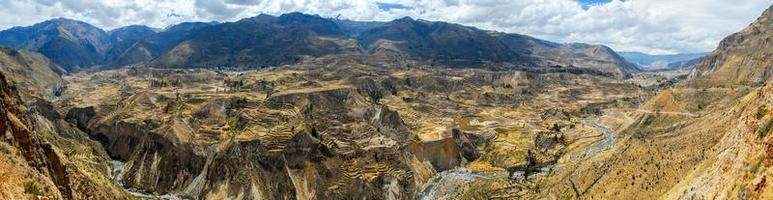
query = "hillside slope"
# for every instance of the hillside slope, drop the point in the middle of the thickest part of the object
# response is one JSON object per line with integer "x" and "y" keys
{"x": 707, "y": 137}
{"x": 742, "y": 157}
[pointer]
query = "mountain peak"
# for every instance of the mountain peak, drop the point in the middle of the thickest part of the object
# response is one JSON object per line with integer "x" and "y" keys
{"x": 61, "y": 21}
{"x": 406, "y": 18}
{"x": 132, "y": 27}
{"x": 186, "y": 26}
{"x": 298, "y": 16}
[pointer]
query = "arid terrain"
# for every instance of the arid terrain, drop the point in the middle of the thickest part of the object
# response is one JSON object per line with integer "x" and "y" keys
{"x": 353, "y": 119}
{"x": 394, "y": 112}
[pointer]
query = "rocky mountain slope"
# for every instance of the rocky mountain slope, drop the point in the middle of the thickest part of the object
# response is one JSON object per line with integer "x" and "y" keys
{"x": 741, "y": 123}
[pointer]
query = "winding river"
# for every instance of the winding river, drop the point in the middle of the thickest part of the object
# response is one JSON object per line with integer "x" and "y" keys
{"x": 452, "y": 180}
{"x": 609, "y": 135}
{"x": 118, "y": 168}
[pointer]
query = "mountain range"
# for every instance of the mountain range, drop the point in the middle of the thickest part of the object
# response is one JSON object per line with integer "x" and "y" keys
{"x": 266, "y": 40}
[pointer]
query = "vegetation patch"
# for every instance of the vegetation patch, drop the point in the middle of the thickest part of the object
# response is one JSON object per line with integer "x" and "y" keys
{"x": 765, "y": 129}
{"x": 30, "y": 187}
{"x": 761, "y": 112}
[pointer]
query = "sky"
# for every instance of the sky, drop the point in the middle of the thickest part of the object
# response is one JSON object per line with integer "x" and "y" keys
{"x": 650, "y": 26}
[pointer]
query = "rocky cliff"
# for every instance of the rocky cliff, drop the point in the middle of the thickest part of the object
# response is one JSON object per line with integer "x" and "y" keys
{"x": 34, "y": 167}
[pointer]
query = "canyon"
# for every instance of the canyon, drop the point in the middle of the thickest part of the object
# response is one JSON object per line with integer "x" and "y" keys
{"x": 299, "y": 106}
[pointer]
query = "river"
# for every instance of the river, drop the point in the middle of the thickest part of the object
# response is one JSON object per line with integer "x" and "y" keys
{"x": 118, "y": 168}
{"x": 451, "y": 181}
{"x": 609, "y": 135}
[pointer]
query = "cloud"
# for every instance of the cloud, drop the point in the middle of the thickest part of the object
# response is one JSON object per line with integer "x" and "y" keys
{"x": 217, "y": 9}
{"x": 243, "y": 2}
{"x": 652, "y": 26}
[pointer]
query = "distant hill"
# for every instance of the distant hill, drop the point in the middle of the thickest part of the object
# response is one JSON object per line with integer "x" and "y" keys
{"x": 258, "y": 41}
{"x": 685, "y": 63}
{"x": 124, "y": 38}
{"x": 154, "y": 45}
{"x": 657, "y": 62}
{"x": 452, "y": 43}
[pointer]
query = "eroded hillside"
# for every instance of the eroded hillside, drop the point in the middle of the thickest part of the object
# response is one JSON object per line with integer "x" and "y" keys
{"x": 313, "y": 129}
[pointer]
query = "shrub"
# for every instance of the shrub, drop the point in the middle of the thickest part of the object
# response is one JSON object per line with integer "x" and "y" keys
{"x": 761, "y": 112}
{"x": 763, "y": 131}
{"x": 32, "y": 188}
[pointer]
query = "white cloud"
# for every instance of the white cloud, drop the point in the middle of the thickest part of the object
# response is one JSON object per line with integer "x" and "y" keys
{"x": 653, "y": 26}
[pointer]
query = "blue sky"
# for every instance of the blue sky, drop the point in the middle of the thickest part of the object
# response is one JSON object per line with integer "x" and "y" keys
{"x": 390, "y": 6}
{"x": 651, "y": 26}
{"x": 588, "y": 3}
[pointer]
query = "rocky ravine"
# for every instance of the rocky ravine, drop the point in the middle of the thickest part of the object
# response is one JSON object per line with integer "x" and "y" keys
{"x": 295, "y": 144}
